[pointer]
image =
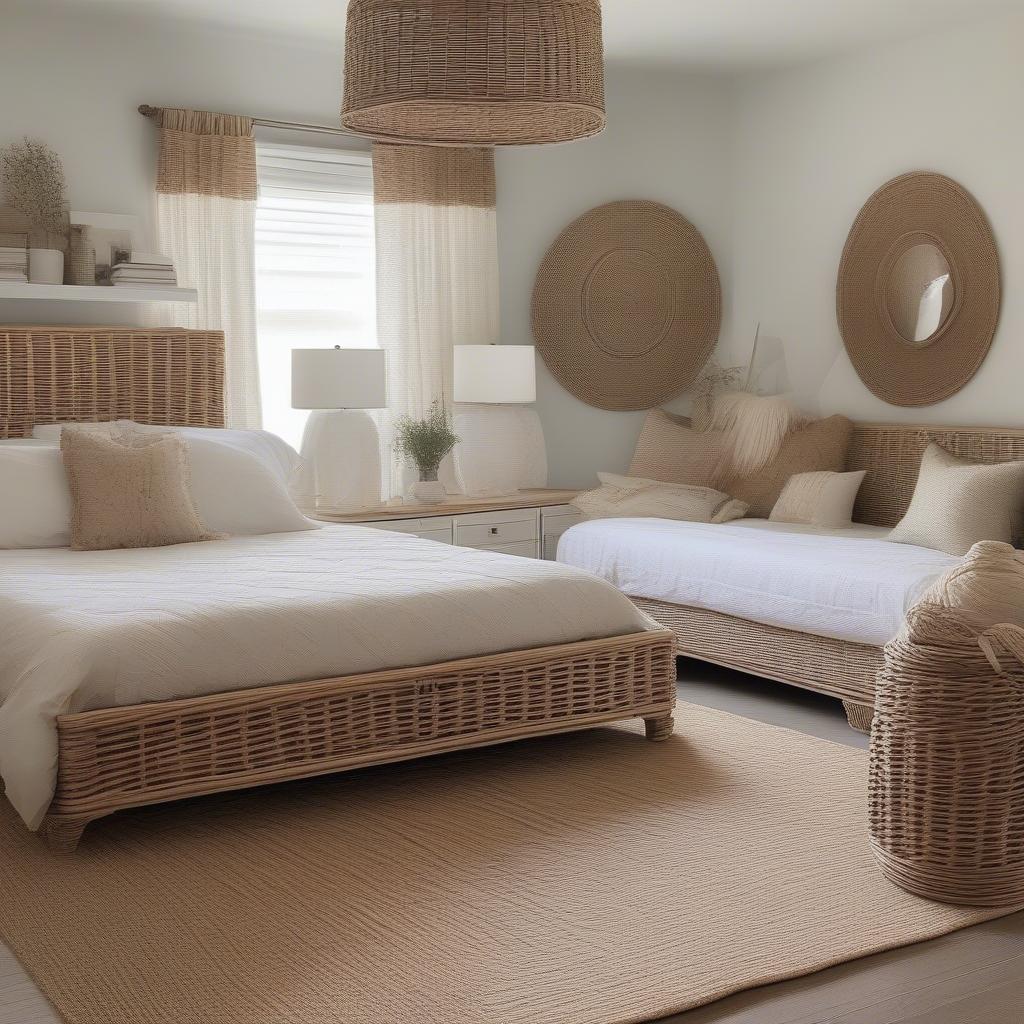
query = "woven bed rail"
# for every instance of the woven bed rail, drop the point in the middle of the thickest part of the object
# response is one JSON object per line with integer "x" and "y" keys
{"x": 161, "y": 375}
{"x": 151, "y": 753}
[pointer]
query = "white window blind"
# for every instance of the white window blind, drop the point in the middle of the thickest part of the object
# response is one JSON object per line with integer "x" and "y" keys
{"x": 314, "y": 265}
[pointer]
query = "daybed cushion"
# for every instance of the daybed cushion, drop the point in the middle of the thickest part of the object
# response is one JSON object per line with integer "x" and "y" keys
{"x": 83, "y": 630}
{"x": 848, "y": 584}
{"x": 958, "y": 503}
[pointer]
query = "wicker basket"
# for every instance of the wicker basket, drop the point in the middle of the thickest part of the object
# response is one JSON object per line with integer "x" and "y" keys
{"x": 947, "y": 760}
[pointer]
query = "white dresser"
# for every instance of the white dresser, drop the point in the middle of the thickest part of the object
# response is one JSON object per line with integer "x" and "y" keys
{"x": 528, "y": 523}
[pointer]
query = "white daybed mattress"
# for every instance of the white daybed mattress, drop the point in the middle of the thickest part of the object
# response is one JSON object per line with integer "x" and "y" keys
{"x": 848, "y": 584}
{"x": 84, "y": 630}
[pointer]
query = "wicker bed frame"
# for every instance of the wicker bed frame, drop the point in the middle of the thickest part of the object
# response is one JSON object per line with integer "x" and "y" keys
{"x": 891, "y": 455}
{"x": 169, "y": 750}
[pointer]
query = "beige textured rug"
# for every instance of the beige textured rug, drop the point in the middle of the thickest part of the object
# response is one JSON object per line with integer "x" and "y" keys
{"x": 592, "y": 878}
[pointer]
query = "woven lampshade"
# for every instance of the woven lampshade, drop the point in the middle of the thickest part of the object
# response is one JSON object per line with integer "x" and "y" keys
{"x": 474, "y": 72}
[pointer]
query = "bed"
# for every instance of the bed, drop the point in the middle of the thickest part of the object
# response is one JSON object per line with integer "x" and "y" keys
{"x": 762, "y": 598}
{"x": 159, "y": 674}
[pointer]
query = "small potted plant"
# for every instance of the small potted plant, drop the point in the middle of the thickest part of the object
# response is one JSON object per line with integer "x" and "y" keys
{"x": 33, "y": 184}
{"x": 426, "y": 442}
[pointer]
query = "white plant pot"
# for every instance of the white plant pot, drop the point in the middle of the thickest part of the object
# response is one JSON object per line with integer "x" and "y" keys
{"x": 45, "y": 266}
{"x": 429, "y": 492}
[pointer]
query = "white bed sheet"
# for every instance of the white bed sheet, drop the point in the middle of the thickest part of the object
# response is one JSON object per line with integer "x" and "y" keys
{"x": 848, "y": 584}
{"x": 85, "y": 630}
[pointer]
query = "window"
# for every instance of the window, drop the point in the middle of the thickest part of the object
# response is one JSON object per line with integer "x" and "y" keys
{"x": 314, "y": 265}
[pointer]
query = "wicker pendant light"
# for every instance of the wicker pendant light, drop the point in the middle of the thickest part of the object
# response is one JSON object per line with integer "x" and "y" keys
{"x": 474, "y": 72}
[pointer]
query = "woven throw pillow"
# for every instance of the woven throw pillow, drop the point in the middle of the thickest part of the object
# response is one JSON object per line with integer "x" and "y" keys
{"x": 819, "y": 499}
{"x": 957, "y": 503}
{"x": 128, "y": 490}
{"x": 669, "y": 449}
{"x": 624, "y": 496}
{"x": 819, "y": 446}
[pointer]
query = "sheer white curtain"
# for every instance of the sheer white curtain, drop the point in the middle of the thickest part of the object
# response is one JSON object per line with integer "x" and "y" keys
{"x": 314, "y": 264}
{"x": 437, "y": 272}
{"x": 206, "y": 199}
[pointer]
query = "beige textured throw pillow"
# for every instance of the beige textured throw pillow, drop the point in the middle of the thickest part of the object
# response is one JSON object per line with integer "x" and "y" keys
{"x": 669, "y": 449}
{"x": 818, "y": 446}
{"x": 958, "y": 503}
{"x": 819, "y": 499}
{"x": 624, "y": 496}
{"x": 128, "y": 490}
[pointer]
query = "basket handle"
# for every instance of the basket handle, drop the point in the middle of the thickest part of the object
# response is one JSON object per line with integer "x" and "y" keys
{"x": 1009, "y": 637}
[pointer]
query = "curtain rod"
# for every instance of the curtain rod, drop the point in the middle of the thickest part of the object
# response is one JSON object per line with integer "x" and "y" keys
{"x": 299, "y": 126}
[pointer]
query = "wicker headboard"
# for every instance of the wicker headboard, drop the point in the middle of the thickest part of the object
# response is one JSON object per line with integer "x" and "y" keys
{"x": 164, "y": 375}
{"x": 891, "y": 454}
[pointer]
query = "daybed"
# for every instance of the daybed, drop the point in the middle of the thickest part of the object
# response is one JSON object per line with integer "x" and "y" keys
{"x": 798, "y": 605}
{"x": 133, "y": 677}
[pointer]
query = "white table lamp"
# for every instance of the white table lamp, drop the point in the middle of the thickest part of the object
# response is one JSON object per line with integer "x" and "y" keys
{"x": 341, "y": 443}
{"x": 502, "y": 444}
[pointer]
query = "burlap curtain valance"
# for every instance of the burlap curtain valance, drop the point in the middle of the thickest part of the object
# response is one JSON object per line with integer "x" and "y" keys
{"x": 434, "y": 176}
{"x": 206, "y": 154}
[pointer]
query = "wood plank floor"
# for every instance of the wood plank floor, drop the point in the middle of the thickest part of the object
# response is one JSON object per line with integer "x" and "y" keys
{"x": 974, "y": 976}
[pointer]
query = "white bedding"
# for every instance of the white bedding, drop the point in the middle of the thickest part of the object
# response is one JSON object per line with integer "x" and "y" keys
{"x": 84, "y": 630}
{"x": 848, "y": 584}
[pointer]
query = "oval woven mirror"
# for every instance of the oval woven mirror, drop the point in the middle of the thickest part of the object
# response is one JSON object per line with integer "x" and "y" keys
{"x": 627, "y": 305}
{"x": 918, "y": 291}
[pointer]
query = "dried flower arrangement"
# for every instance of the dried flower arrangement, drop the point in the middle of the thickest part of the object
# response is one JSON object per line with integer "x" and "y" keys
{"x": 427, "y": 441}
{"x": 33, "y": 184}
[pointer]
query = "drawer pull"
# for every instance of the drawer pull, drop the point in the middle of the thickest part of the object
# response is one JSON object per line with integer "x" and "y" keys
{"x": 494, "y": 531}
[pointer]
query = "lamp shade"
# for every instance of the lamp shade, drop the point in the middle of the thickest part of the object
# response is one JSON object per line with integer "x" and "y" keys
{"x": 487, "y": 73}
{"x": 500, "y": 374}
{"x": 339, "y": 378}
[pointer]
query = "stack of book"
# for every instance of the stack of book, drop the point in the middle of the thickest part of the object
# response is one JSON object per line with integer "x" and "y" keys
{"x": 142, "y": 270}
{"x": 13, "y": 257}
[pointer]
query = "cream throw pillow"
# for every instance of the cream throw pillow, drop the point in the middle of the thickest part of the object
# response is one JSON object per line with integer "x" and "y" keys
{"x": 128, "y": 490}
{"x": 957, "y": 503}
{"x": 625, "y": 496}
{"x": 819, "y": 499}
{"x": 669, "y": 449}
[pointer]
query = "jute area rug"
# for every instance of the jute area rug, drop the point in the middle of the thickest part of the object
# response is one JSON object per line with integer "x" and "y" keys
{"x": 593, "y": 878}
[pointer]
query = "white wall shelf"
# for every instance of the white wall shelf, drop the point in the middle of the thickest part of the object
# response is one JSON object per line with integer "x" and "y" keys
{"x": 93, "y": 293}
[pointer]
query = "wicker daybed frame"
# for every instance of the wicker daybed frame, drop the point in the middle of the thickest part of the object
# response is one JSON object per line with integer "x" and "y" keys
{"x": 890, "y": 453}
{"x": 123, "y": 757}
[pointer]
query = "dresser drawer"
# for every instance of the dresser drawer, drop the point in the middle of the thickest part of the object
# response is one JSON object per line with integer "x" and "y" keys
{"x": 477, "y": 535}
{"x": 429, "y": 527}
{"x": 527, "y": 548}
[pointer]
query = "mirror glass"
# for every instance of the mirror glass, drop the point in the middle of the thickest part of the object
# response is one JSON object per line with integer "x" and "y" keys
{"x": 920, "y": 293}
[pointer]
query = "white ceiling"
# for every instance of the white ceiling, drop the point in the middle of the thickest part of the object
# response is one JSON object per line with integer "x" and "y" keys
{"x": 728, "y": 35}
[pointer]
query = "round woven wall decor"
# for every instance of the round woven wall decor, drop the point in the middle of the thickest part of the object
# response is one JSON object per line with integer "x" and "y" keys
{"x": 627, "y": 305}
{"x": 480, "y": 73}
{"x": 918, "y": 209}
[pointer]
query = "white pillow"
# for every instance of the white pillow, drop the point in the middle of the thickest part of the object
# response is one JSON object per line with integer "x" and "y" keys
{"x": 35, "y": 503}
{"x": 628, "y": 496}
{"x": 819, "y": 499}
{"x": 234, "y": 492}
{"x": 273, "y": 451}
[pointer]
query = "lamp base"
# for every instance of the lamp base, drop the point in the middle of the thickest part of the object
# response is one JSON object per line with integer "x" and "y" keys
{"x": 502, "y": 450}
{"x": 341, "y": 461}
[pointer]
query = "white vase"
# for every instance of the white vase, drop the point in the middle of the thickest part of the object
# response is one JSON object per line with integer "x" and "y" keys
{"x": 45, "y": 266}
{"x": 429, "y": 492}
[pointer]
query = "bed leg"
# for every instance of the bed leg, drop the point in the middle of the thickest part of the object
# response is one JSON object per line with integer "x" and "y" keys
{"x": 659, "y": 728}
{"x": 63, "y": 831}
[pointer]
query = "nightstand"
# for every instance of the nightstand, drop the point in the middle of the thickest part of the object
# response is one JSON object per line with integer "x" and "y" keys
{"x": 528, "y": 523}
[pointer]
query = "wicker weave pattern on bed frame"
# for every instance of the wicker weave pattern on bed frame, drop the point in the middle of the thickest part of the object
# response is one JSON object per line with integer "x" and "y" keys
{"x": 891, "y": 454}
{"x": 836, "y": 667}
{"x": 55, "y": 374}
{"x": 150, "y": 753}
